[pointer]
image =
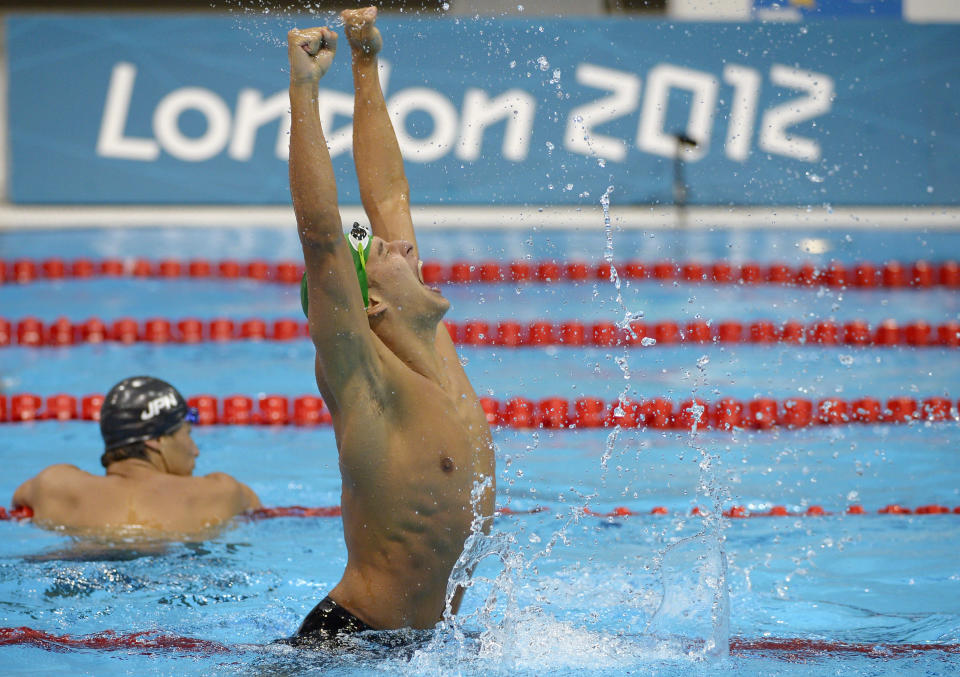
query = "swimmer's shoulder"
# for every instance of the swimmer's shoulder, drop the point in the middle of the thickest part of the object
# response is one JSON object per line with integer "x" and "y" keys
{"x": 224, "y": 487}
{"x": 61, "y": 473}
{"x": 58, "y": 482}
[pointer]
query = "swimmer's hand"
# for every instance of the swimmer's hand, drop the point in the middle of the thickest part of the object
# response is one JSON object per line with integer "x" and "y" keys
{"x": 311, "y": 52}
{"x": 358, "y": 24}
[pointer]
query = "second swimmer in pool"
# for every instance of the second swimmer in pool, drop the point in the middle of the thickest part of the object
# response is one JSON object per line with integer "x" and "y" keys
{"x": 148, "y": 492}
{"x": 413, "y": 440}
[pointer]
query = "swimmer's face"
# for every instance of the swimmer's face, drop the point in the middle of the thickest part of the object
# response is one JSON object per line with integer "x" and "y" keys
{"x": 395, "y": 276}
{"x": 179, "y": 451}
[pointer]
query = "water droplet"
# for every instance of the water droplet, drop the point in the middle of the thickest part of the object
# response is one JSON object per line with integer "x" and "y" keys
{"x": 647, "y": 341}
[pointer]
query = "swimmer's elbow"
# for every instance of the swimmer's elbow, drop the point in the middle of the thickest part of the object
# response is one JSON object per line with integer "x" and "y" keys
{"x": 320, "y": 232}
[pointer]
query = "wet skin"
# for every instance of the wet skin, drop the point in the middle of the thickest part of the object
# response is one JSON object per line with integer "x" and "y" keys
{"x": 150, "y": 498}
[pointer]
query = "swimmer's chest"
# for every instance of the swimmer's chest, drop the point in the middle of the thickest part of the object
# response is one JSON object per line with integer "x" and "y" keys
{"x": 427, "y": 434}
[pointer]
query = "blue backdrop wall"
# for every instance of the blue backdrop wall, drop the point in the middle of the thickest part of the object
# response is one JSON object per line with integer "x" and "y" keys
{"x": 158, "y": 109}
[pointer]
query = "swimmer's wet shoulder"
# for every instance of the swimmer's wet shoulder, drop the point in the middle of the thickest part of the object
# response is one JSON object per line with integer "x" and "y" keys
{"x": 53, "y": 492}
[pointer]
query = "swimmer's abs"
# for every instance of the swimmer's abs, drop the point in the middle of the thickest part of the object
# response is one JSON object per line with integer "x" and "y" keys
{"x": 404, "y": 542}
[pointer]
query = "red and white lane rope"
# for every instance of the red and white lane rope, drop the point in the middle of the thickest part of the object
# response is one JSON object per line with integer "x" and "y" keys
{"x": 33, "y": 332}
{"x": 144, "y": 643}
{"x": 149, "y": 642}
{"x": 866, "y": 275}
{"x": 733, "y": 512}
{"x": 555, "y": 413}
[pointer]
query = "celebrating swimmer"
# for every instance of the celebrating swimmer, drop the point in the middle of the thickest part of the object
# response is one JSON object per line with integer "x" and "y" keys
{"x": 412, "y": 437}
{"x": 148, "y": 489}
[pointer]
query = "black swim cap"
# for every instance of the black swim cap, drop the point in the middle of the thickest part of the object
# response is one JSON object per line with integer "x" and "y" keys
{"x": 142, "y": 408}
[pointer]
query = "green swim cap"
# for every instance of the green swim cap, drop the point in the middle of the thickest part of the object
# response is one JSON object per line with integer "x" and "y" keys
{"x": 359, "y": 239}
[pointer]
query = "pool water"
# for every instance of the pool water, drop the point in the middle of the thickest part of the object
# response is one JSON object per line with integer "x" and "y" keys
{"x": 563, "y": 591}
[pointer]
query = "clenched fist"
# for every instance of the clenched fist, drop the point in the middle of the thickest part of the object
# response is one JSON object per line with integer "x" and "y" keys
{"x": 311, "y": 52}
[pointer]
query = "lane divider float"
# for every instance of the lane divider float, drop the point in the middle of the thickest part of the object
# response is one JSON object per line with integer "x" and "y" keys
{"x": 150, "y": 642}
{"x": 726, "y": 414}
{"x": 732, "y": 512}
{"x": 866, "y": 275}
{"x": 144, "y": 642}
{"x": 33, "y": 332}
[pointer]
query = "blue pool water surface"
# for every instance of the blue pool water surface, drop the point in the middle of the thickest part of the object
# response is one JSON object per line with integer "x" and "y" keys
{"x": 568, "y": 593}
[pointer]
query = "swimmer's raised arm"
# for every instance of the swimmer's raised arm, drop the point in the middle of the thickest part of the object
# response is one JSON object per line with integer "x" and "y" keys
{"x": 338, "y": 321}
{"x": 312, "y": 183}
{"x": 384, "y": 190}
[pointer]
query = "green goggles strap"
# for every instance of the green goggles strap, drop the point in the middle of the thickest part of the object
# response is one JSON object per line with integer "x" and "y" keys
{"x": 359, "y": 240}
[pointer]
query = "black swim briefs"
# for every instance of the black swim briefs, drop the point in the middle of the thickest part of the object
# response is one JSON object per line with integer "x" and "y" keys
{"x": 327, "y": 622}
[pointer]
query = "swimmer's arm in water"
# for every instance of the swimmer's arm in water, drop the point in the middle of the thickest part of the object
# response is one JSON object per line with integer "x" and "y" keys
{"x": 384, "y": 190}
{"x": 338, "y": 321}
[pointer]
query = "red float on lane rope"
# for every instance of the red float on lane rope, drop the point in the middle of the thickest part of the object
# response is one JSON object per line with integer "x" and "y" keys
{"x": 25, "y": 407}
{"x": 61, "y": 407}
{"x": 82, "y": 268}
{"x": 90, "y": 406}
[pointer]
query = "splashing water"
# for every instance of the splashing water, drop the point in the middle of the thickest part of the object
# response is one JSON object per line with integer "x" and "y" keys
{"x": 511, "y": 637}
{"x": 628, "y": 316}
{"x": 625, "y": 323}
{"x": 256, "y": 18}
{"x": 694, "y": 570}
{"x": 505, "y": 634}
{"x": 478, "y": 546}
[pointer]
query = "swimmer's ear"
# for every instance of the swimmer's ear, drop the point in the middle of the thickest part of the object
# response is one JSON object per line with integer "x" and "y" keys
{"x": 376, "y": 309}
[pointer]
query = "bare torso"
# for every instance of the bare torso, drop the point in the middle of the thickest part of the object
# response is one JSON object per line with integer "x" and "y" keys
{"x": 133, "y": 499}
{"x": 408, "y": 466}
{"x": 412, "y": 437}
